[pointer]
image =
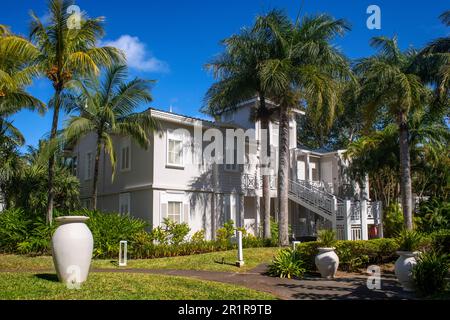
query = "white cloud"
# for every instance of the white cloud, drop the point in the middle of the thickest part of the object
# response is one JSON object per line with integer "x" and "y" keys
{"x": 137, "y": 55}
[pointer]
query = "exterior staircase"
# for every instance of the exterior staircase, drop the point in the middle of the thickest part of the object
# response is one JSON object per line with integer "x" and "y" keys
{"x": 349, "y": 217}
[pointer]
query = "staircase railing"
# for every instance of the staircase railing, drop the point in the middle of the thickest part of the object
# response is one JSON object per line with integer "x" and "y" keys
{"x": 313, "y": 196}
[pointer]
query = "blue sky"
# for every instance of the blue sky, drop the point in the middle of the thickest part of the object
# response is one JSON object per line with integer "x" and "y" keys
{"x": 170, "y": 41}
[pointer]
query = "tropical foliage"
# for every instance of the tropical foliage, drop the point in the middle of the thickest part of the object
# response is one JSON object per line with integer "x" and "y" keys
{"x": 62, "y": 54}
{"x": 108, "y": 110}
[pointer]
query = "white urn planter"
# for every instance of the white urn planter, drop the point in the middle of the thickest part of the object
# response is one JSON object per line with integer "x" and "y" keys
{"x": 403, "y": 268}
{"x": 327, "y": 262}
{"x": 72, "y": 246}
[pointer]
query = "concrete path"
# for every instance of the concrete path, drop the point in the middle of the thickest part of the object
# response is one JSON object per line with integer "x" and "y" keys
{"x": 344, "y": 287}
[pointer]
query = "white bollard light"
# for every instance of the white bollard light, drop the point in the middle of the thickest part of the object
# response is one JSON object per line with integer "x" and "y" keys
{"x": 123, "y": 253}
{"x": 294, "y": 244}
{"x": 240, "y": 256}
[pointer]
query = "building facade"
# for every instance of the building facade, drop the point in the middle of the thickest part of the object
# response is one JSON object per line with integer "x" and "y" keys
{"x": 171, "y": 179}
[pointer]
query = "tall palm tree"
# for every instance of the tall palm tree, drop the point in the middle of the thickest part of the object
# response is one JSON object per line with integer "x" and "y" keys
{"x": 307, "y": 71}
{"x": 238, "y": 74}
{"x": 64, "y": 53}
{"x": 17, "y": 70}
{"x": 107, "y": 109}
{"x": 388, "y": 83}
{"x": 433, "y": 66}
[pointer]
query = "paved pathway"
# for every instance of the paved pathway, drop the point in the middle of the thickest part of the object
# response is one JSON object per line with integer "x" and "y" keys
{"x": 344, "y": 286}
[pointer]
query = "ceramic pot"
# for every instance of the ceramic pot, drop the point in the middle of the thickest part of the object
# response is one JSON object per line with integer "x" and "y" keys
{"x": 72, "y": 246}
{"x": 327, "y": 262}
{"x": 403, "y": 268}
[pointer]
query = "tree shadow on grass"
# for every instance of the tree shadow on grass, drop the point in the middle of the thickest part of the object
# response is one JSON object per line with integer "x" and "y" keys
{"x": 48, "y": 277}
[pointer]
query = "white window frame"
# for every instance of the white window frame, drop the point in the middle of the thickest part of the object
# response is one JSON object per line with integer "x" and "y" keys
{"x": 166, "y": 197}
{"x": 180, "y": 205}
{"x": 125, "y": 200}
{"x": 88, "y": 165}
{"x": 126, "y": 144}
{"x": 179, "y": 138}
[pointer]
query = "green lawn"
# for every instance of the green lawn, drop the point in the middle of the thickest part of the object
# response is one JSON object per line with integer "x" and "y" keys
{"x": 208, "y": 261}
{"x": 118, "y": 286}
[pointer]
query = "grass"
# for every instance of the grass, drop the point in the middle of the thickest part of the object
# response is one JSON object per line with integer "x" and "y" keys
{"x": 208, "y": 261}
{"x": 118, "y": 286}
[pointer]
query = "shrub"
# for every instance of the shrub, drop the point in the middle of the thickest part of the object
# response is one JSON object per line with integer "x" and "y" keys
{"x": 440, "y": 241}
{"x": 226, "y": 233}
{"x": 39, "y": 240}
{"x": 198, "y": 236}
{"x": 287, "y": 264}
{"x": 429, "y": 273}
{"x": 326, "y": 238}
{"x": 432, "y": 215}
{"x": 393, "y": 220}
{"x": 159, "y": 235}
{"x": 108, "y": 229}
{"x": 408, "y": 240}
{"x": 177, "y": 232}
{"x": 14, "y": 227}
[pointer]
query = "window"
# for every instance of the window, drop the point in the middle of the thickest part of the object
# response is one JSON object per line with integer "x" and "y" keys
{"x": 86, "y": 203}
{"x": 174, "y": 211}
{"x": 88, "y": 166}
{"x": 228, "y": 116}
{"x": 124, "y": 204}
{"x": 125, "y": 155}
{"x": 232, "y": 166}
{"x": 75, "y": 166}
{"x": 174, "y": 150}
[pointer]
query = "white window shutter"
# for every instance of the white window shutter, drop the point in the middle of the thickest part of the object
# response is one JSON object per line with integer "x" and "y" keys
{"x": 163, "y": 211}
{"x": 186, "y": 213}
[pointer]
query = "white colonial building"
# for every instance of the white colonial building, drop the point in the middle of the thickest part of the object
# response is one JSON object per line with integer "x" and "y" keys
{"x": 171, "y": 180}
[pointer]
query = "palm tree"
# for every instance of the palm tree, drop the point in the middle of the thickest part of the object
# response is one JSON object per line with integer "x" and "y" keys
{"x": 237, "y": 71}
{"x": 107, "y": 110}
{"x": 388, "y": 83}
{"x": 17, "y": 70}
{"x": 305, "y": 71}
{"x": 64, "y": 53}
{"x": 433, "y": 66}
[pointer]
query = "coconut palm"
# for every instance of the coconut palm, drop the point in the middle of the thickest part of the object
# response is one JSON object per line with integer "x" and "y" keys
{"x": 238, "y": 74}
{"x": 389, "y": 84}
{"x": 65, "y": 53}
{"x": 433, "y": 66}
{"x": 107, "y": 109}
{"x": 306, "y": 71}
{"x": 17, "y": 70}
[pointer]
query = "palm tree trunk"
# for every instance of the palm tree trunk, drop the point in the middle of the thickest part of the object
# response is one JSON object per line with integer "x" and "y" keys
{"x": 405, "y": 172}
{"x": 96, "y": 165}
{"x": 283, "y": 177}
{"x": 51, "y": 160}
{"x": 266, "y": 182}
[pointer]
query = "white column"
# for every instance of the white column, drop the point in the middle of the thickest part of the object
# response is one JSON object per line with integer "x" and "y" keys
{"x": 364, "y": 231}
{"x": 258, "y": 215}
{"x": 307, "y": 172}
{"x": 347, "y": 220}
{"x": 241, "y": 210}
{"x": 335, "y": 208}
{"x": 380, "y": 220}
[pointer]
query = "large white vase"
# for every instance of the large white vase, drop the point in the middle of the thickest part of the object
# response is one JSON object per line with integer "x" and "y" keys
{"x": 327, "y": 262}
{"x": 403, "y": 269}
{"x": 72, "y": 246}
